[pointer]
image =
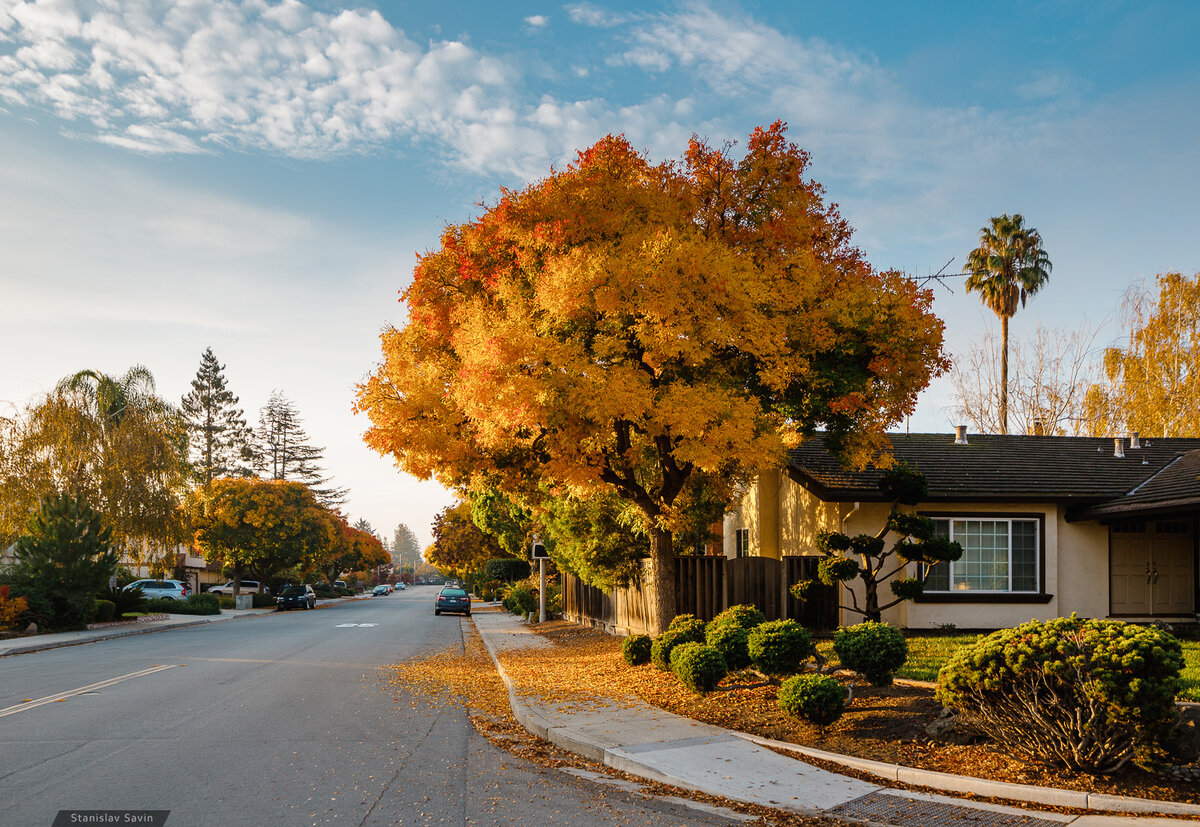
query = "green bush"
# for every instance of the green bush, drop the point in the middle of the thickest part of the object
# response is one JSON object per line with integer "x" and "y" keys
{"x": 508, "y": 569}
{"x": 344, "y": 592}
{"x": 204, "y": 604}
{"x": 743, "y": 615}
{"x": 636, "y": 649}
{"x": 1085, "y": 694}
{"x": 689, "y": 628}
{"x": 699, "y": 667}
{"x": 733, "y": 642}
{"x": 819, "y": 699}
{"x": 873, "y": 650}
{"x": 323, "y": 591}
{"x": 521, "y": 599}
{"x": 660, "y": 650}
{"x": 105, "y": 610}
{"x": 779, "y": 647}
{"x": 262, "y": 601}
{"x": 124, "y": 601}
{"x": 225, "y": 601}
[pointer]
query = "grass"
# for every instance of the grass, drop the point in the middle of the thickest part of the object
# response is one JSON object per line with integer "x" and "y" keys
{"x": 926, "y": 655}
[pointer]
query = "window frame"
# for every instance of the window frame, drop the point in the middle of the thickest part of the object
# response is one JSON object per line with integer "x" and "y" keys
{"x": 741, "y": 543}
{"x": 953, "y": 595}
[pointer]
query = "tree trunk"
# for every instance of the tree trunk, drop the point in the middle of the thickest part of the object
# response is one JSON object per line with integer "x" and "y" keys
{"x": 1004, "y": 374}
{"x": 661, "y": 588}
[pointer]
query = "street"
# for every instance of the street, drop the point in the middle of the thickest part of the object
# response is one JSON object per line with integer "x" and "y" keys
{"x": 282, "y": 718}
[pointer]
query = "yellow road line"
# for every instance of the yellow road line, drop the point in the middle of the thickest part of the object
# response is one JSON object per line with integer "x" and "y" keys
{"x": 60, "y": 696}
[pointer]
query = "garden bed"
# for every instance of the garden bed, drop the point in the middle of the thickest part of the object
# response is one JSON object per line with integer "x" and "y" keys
{"x": 882, "y": 724}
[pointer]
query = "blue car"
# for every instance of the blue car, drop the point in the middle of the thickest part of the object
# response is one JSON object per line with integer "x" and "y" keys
{"x": 453, "y": 600}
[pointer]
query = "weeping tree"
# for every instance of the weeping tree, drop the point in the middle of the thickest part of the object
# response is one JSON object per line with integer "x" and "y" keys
{"x": 869, "y": 557}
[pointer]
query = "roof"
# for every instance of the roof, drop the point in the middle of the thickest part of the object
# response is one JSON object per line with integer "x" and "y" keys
{"x": 993, "y": 468}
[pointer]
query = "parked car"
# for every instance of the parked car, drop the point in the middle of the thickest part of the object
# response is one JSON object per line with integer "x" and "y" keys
{"x": 453, "y": 600}
{"x": 401, "y": 587}
{"x": 248, "y": 587}
{"x": 166, "y": 589}
{"x": 296, "y": 597}
{"x": 380, "y": 590}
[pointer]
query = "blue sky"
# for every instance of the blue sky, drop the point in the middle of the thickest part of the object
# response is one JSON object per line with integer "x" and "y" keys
{"x": 256, "y": 177}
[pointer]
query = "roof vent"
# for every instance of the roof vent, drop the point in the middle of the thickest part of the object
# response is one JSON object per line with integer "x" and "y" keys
{"x": 1134, "y": 442}
{"x": 960, "y": 434}
{"x": 1119, "y": 448}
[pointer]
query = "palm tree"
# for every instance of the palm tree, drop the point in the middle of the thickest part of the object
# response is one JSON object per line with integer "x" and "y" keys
{"x": 1007, "y": 267}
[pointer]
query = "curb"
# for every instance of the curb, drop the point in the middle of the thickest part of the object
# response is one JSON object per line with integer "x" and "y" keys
{"x": 946, "y": 782}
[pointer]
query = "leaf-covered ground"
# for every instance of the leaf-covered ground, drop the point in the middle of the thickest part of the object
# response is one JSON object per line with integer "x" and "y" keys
{"x": 881, "y": 724}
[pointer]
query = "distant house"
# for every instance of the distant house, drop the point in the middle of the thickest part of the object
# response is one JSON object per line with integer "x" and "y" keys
{"x": 1049, "y": 525}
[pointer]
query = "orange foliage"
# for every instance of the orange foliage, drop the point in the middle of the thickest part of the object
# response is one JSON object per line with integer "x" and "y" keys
{"x": 10, "y": 608}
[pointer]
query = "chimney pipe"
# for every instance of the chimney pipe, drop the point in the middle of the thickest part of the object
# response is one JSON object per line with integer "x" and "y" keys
{"x": 1134, "y": 442}
{"x": 960, "y": 434}
{"x": 1119, "y": 448}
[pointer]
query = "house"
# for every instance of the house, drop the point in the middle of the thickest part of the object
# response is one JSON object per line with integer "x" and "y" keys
{"x": 1049, "y": 525}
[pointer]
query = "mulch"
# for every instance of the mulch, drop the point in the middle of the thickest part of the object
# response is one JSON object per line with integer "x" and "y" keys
{"x": 881, "y": 724}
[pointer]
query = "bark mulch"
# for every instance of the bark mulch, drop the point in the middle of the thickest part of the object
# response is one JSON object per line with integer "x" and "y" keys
{"x": 882, "y": 724}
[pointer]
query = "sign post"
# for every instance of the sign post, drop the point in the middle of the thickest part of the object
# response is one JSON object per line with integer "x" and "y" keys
{"x": 538, "y": 552}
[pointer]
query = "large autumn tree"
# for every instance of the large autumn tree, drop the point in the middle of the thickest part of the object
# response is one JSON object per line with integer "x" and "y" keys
{"x": 621, "y": 326}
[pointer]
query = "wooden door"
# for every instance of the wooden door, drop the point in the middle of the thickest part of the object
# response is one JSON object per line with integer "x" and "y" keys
{"x": 1129, "y": 569}
{"x": 1172, "y": 589}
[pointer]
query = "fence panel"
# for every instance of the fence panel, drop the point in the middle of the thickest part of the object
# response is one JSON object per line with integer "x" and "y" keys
{"x": 755, "y": 580}
{"x": 698, "y": 582}
{"x": 820, "y": 612}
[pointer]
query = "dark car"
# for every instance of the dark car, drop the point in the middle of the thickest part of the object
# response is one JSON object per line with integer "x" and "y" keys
{"x": 296, "y": 597}
{"x": 453, "y": 600}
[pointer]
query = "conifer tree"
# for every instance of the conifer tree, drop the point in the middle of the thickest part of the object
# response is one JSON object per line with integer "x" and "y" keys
{"x": 218, "y": 436}
{"x": 283, "y": 451}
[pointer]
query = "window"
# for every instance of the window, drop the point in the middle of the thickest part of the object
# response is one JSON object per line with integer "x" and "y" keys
{"x": 741, "y": 542}
{"x": 999, "y": 555}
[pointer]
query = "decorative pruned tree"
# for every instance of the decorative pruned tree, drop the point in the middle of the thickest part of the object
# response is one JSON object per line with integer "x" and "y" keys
{"x": 866, "y": 556}
{"x": 1007, "y": 267}
{"x": 218, "y": 436}
{"x": 283, "y": 452}
{"x": 621, "y": 326}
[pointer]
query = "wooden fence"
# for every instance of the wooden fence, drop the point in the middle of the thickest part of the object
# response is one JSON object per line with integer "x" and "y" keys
{"x": 705, "y": 586}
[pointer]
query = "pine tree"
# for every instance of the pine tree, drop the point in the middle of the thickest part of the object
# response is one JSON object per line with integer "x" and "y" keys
{"x": 218, "y": 436}
{"x": 284, "y": 453}
{"x": 406, "y": 548}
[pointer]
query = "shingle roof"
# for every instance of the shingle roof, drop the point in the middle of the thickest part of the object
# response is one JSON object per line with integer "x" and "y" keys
{"x": 1175, "y": 486}
{"x": 993, "y": 468}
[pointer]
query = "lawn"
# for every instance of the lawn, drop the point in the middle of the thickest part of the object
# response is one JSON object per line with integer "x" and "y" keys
{"x": 926, "y": 655}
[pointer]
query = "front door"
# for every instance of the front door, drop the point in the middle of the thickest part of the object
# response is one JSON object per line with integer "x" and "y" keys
{"x": 1152, "y": 568}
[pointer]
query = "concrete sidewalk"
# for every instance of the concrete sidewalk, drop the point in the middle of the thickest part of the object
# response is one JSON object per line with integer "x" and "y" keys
{"x": 629, "y": 735}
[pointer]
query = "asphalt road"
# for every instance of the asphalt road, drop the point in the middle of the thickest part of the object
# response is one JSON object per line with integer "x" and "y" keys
{"x": 277, "y": 719}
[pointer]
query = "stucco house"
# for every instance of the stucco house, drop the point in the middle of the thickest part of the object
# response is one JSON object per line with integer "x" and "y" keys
{"x": 1049, "y": 525}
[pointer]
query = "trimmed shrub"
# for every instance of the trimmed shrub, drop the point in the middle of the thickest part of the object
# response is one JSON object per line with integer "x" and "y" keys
{"x": 873, "y": 650}
{"x": 323, "y": 591}
{"x": 507, "y": 569}
{"x": 733, "y": 642}
{"x": 182, "y": 607}
{"x": 344, "y": 592}
{"x": 699, "y": 667}
{"x": 260, "y": 601}
{"x": 660, "y": 650}
{"x": 105, "y": 609}
{"x": 205, "y": 604}
{"x": 819, "y": 699}
{"x": 778, "y": 647}
{"x": 689, "y": 628}
{"x": 743, "y": 615}
{"x": 226, "y": 601}
{"x": 1084, "y": 694}
{"x": 521, "y": 599}
{"x": 123, "y": 601}
{"x": 636, "y": 649}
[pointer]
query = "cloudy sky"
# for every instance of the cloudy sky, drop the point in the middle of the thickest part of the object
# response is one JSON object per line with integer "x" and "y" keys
{"x": 257, "y": 176}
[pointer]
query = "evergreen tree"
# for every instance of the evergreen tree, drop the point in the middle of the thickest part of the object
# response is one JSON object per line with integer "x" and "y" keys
{"x": 406, "y": 548}
{"x": 284, "y": 453}
{"x": 218, "y": 436}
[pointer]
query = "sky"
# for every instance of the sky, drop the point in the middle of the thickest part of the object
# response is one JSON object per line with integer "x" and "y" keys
{"x": 258, "y": 177}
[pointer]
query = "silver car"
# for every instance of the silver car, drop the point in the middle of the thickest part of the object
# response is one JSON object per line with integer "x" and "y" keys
{"x": 166, "y": 589}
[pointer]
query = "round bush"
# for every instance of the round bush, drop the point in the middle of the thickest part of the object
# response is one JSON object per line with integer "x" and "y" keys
{"x": 873, "y": 650}
{"x": 660, "y": 650}
{"x": 1084, "y": 694}
{"x": 636, "y": 649}
{"x": 733, "y": 642}
{"x": 744, "y": 615}
{"x": 699, "y": 667}
{"x": 816, "y": 698}
{"x": 778, "y": 647}
{"x": 689, "y": 628}
{"x": 105, "y": 609}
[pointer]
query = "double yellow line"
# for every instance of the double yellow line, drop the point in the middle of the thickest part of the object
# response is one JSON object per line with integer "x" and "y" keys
{"x": 62, "y": 696}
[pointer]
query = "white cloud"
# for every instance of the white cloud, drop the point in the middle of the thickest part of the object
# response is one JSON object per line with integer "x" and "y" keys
{"x": 537, "y": 21}
{"x": 588, "y": 15}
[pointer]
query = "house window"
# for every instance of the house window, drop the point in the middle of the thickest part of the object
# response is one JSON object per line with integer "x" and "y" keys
{"x": 999, "y": 555}
{"x": 741, "y": 542}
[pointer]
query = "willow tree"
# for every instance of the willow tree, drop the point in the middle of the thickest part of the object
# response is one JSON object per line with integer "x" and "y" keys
{"x": 621, "y": 326}
{"x": 1007, "y": 267}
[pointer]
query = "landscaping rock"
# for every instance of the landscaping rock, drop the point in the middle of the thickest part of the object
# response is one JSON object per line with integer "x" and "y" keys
{"x": 945, "y": 730}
